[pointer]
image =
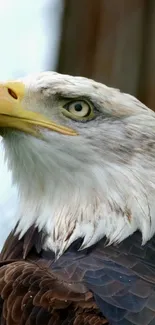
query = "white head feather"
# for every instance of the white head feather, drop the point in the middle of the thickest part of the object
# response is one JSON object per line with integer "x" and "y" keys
{"x": 98, "y": 183}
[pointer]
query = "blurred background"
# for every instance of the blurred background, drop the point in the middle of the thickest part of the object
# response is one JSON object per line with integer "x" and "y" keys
{"x": 107, "y": 40}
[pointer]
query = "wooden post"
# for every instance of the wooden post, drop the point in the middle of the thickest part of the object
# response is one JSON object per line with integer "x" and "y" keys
{"x": 111, "y": 41}
{"x": 147, "y": 73}
{"x": 79, "y": 35}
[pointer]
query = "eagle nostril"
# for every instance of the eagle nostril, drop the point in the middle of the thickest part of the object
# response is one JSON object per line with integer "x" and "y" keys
{"x": 12, "y": 93}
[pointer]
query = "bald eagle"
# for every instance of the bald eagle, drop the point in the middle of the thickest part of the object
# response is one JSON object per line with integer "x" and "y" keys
{"x": 82, "y": 156}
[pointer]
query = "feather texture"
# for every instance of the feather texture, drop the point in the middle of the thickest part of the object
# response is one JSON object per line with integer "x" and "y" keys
{"x": 32, "y": 294}
{"x": 117, "y": 280}
{"x": 76, "y": 195}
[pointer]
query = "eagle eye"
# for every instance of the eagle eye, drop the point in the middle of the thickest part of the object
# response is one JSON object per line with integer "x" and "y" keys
{"x": 78, "y": 110}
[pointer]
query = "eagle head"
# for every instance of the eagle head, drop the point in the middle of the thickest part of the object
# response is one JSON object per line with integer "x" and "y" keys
{"x": 82, "y": 156}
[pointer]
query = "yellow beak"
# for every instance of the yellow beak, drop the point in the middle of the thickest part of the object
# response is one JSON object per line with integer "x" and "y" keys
{"x": 12, "y": 115}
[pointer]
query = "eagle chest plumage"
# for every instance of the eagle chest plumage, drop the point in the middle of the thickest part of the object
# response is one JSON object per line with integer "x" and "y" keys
{"x": 82, "y": 162}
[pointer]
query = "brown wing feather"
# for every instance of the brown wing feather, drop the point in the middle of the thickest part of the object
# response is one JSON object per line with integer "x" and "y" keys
{"x": 119, "y": 279}
{"x": 31, "y": 243}
{"x": 32, "y": 294}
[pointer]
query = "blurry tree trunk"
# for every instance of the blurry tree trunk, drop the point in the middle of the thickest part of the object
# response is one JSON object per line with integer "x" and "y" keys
{"x": 79, "y": 36}
{"x": 147, "y": 72}
{"x": 111, "y": 41}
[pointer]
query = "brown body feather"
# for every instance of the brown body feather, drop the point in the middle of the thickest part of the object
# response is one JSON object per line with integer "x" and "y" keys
{"x": 118, "y": 281}
{"x": 32, "y": 294}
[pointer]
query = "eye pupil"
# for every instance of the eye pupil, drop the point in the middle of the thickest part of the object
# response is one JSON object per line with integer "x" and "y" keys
{"x": 78, "y": 107}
